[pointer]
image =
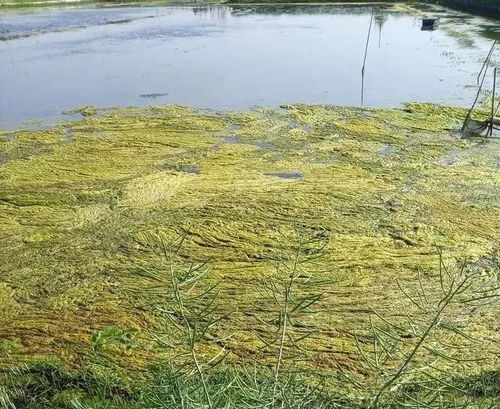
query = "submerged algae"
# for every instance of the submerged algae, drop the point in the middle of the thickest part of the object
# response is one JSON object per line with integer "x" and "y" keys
{"x": 75, "y": 216}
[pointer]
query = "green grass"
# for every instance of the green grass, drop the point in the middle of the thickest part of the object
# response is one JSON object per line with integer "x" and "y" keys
{"x": 50, "y": 387}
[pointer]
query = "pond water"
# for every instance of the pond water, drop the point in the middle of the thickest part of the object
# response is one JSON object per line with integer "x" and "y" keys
{"x": 224, "y": 57}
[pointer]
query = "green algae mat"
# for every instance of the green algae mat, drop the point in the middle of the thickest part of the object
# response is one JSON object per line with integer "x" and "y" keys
{"x": 380, "y": 190}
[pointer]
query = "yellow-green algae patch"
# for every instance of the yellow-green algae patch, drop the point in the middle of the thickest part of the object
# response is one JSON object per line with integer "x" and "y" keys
{"x": 78, "y": 203}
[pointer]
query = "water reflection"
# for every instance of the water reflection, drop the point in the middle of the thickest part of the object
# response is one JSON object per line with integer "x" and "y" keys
{"x": 215, "y": 12}
{"x": 233, "y": 57}
{"x": 380, "y": 18}
{"x": 305, "y": 10}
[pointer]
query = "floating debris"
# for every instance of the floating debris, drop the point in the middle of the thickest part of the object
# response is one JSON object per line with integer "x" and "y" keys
{"x": 430, "y": 24}
{"x": 154, "y": 95}
{"x": 122, "y": 21}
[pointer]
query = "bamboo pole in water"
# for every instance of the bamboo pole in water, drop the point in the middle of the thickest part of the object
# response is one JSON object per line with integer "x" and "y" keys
{"x": 486, "y": 61}
{"x": 493, "y": 100}
{"x": 483, "y": 72}
{"x": 364, "y": 61}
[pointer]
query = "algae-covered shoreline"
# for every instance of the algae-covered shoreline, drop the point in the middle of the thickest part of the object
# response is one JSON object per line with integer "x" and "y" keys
{"x": 381, "y": 189}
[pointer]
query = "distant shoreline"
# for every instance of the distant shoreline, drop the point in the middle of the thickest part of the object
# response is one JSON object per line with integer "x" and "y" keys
{"x": 485, "y": 8}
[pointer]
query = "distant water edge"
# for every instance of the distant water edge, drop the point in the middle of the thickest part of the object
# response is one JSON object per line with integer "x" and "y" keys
{"x": 486, "y": 8}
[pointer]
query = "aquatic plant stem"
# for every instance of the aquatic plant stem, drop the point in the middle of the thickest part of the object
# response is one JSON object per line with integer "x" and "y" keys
{"x": 191, "y": 332}
{"x": 409, "y": 359}
{"x": 288, "y": 292}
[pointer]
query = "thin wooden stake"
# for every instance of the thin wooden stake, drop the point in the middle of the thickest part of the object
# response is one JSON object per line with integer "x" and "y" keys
{"x": 364, "y": 61}
{"x": 493, "y": 100}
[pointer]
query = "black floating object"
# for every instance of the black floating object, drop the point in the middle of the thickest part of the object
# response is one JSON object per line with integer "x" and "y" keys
{"x": 430, "y": 23}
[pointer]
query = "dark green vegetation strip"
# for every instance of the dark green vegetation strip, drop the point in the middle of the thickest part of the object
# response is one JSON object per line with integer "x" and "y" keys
{"x": 487, "y": 8}
{"x": 379, "y": 188}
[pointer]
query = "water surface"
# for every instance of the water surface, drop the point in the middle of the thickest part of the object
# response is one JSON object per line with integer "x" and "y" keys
{"x": 233, "y": 57}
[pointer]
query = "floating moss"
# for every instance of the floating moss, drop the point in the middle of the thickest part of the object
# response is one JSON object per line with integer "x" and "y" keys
{"x": 75, "y": 215}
